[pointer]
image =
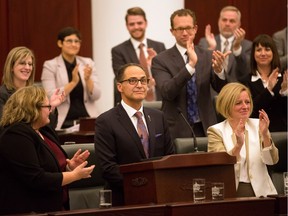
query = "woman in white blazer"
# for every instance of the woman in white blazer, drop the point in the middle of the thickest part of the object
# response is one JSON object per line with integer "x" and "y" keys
{"x": 246, "y": 138}
{"x": 75, "y": 75}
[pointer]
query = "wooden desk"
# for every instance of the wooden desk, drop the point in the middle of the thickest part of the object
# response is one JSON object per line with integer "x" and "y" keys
{"x": 77, "y": 137}
{"x": 169, "y": 179}
{"x": 280, "y": 205}
{"x": 229, "y": 207}
{"x": 147, "y": 210}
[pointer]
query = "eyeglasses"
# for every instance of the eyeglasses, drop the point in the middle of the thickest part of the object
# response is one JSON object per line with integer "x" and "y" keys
{"x": 135, "y": 81}
{"x": 70, "y": 41}
{"x": 189, "y": 30}
{"x": 47, "y": 106}
{"x": 23, "y": 64}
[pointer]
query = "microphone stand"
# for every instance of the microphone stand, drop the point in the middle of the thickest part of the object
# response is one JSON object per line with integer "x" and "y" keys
{"x": 192, "y": 131}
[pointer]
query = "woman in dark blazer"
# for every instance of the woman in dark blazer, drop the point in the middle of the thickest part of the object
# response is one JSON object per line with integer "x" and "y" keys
{"x": 266, "y": 83}
{"x": 34, "y": 166}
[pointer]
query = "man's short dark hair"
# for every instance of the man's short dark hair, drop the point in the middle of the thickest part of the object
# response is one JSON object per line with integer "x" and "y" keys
{"x": 134, "y": 12}
{"x": 183, "y": 12}
{"x": 120, "y": 74}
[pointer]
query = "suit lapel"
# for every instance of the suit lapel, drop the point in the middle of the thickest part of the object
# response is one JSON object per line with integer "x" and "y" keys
{"x": 127, "y": 124}
{"x": 62, "y": 72}
{"x": 176, "y": 57}
{"x": 131, "y": 52}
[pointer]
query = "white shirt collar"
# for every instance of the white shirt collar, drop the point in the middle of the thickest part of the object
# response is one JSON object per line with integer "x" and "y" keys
{"x": 131, "y": 111}
{"x": 254, "y": 78}
{"x": 223, "y": 39}
{"x": 182, "y": 51}
{"x": 136, "y": 43}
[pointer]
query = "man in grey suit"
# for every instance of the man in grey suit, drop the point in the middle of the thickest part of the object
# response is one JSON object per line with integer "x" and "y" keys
{"x": 129, "y": 51}
{"x": 229, "y": 23}
{"x": 280, "y": 39}
{"x": 175, "y": 68}
{"x": 118, "y": 139}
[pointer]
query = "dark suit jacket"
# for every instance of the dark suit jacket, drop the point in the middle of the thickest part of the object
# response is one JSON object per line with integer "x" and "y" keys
{"x": 125, "y": 53}
{"x": 280, "y": 39}
{"x": 171, "y": 75}
{"x": 117, "y": 142}
{"x": 275, "y": 106}
{"x": 4, "y": 96}
{"x": 239, "y": 66}
{"x": 31, "y": 177}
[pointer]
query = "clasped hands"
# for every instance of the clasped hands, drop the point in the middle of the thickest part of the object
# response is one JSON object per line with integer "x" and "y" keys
{"x": 217, "y": 56}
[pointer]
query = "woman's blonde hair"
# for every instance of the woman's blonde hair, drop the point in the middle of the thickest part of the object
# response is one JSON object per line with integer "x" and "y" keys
{"x": 17, "y": 54}
{"x": 228, "y": 96}
{"x": 24, "y": 105}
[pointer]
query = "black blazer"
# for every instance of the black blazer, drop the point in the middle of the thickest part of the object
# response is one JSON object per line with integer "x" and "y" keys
{"x": 117, "y": 142}
{"x": 31, "y": 177}
{"x": 275, "y": 106}
{"x": 171, "y": 75}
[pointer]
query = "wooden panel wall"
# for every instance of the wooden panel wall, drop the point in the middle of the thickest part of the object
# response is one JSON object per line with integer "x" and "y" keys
{"x": 258, "y": 16}
{"x": 35, "y": 24}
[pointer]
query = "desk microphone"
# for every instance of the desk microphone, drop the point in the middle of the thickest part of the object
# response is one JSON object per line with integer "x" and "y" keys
{"x": 193, "y": 134}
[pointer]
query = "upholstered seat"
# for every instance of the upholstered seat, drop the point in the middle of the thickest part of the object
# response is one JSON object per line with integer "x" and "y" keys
{"x": 276, "y": 171}
{"x": 85, "y": 192}
{"x": 153, "y": 104}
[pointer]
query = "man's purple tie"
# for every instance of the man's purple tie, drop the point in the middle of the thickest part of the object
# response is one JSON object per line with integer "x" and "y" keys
{"x": 142, "y": 132}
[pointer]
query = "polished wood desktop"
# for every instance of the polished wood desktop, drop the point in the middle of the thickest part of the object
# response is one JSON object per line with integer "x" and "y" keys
{"x": 229, "y": 207}
{"x": 144, "y": 210}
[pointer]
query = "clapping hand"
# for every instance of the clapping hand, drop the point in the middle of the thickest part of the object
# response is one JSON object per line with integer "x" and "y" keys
{"x": 273, "y": 78}
{"x": 191, "y": 52}
{"x": 210, "y": 38}
{"x": 56, "y": 99}
{"x": 75, "y": 75}
{"x": 239, "y": 35}
{"x": 218, "y": 60}
{"x": 151, "y": 54}
{"x": 284, "y": 86}
{"x": 87, "y": 72}
{"x": 239, "y": 133}
{"x": 77, "y": 159}
{"x": 263, "y": 123}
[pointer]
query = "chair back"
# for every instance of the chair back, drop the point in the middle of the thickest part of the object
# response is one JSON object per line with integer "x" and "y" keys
{"x": 186, "y": 145}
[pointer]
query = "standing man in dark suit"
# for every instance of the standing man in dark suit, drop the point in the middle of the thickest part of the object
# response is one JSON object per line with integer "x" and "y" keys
{"x": 230, "y": 33}
{"x": 129, "y": 51}
{"x": 179, "y": 82}
{"x": 118, "y": 140}
{"x": 280, "y": 39}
